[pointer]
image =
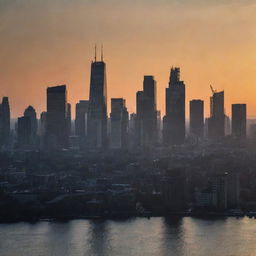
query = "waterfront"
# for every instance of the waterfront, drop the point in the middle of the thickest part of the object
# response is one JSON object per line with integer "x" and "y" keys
{"x": 135, "y": 236}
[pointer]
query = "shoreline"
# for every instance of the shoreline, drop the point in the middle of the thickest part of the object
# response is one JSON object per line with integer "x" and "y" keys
{"x": 120, "y": 217}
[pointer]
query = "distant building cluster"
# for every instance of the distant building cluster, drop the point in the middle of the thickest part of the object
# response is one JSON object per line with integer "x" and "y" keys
{"x": 143, "y": 130}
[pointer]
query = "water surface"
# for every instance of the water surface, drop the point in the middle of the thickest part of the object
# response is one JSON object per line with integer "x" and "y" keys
{"x": 136, "y": 236}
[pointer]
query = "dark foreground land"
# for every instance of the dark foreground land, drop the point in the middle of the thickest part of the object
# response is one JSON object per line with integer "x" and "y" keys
{"x": 192, "y": 180}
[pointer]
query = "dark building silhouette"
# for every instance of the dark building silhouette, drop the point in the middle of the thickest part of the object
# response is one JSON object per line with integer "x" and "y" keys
{"x": 42, "y": 130}
{"x": 159, "y": 126}
{"x": 119, "y": 124}
{"x": 56, "y": 124}
{"x": 81, "y": 118}
{"x": 174, "y": 120}
{"x": 146, "y": 120}
{"x": 227, "y": 129}
{"x": 97, "y": 111}
{"x": 24, "y": 131}
{"x": 174, "y": 190}
{"x": 31, "y": 114}
{"x": 225, "y": 189}
{"x": 139, "y": 119}
{"x": 69, "y": 119}
{"x": 233, "y": 191}
{"x": 5, "y": 122}
{"x": 219, "y": 188}
{"x": 196, "y": 124}
{"x": 239, "y": 120}
{"x": 132, "y": 143}
{"x": 216, "y": 122}
{"x": 42, "y": 124}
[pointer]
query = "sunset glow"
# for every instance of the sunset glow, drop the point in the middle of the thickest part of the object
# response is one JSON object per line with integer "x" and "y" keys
{"x": 50, "y": 42}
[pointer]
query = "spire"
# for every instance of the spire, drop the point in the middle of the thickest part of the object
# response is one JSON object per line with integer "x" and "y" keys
{"x": 95, "y": 53}
{"x": 102, "y": 52}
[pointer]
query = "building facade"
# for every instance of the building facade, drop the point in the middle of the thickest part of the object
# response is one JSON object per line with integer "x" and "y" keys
{"x": 174, "y": 120}
{"x": 216, "y": 122}
{"x": 196, "y": 124}
{"x": 97, "y": 110}
{"x": 119, "y": 124}
{"x": 146, "y": 118}
{"x": 56, "y": 124}
{"x": 5, "y": 117}
{"x": 239, "y": 121}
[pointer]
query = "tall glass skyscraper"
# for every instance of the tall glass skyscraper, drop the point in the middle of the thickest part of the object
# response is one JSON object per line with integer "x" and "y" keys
{"x": 174, "y": 120}
{"x": 97, "y": 111}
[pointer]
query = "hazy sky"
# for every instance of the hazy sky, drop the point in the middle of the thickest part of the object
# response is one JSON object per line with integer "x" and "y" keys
{"x": 49, "y": 42}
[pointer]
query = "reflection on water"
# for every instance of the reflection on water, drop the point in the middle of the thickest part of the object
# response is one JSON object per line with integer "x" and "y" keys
{"x": 135, "y": 236}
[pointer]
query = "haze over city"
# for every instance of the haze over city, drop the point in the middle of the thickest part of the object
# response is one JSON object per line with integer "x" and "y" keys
{"x": 127, "y": 127}
{"x": 45, "y": 43}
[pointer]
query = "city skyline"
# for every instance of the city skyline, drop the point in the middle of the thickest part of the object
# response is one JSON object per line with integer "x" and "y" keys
{"x": 127, "y": 127}
{"x": 50, "y": 53}
{"x": 108, "y": 99}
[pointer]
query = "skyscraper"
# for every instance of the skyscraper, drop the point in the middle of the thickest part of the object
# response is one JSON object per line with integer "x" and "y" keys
{"x": 174, "y": 186}
{"x": 42, "y": 130}
{"x": 197, "y": 118}
{"x": 81, "y": 118}
{"x": 56, "y": 125}
{"x": 132, "y": 143}
{"x": 69, "y": 119}
{"x": 42, "y": 124}
{"x": 147, "y": 113}
{"x": 219, "y": 187}
{"x": 31, "y": 114}
{"x": 174, "y": 120}
{"x": 216, "y": 122}
{"x": 139, "y": 119}
{"x": 119, "y": 124}
{"x": 5, "y": 122}
{"x": 150, "y": 111}
{"x": 97, "y": 111}
{"x": 24, "y": 131}
{"x": 239, "y": 120}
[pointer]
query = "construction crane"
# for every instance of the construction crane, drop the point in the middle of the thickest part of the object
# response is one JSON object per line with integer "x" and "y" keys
{"x": 213, "y": 91}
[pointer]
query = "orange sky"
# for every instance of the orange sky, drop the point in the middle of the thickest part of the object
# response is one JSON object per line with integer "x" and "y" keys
{"x": 50, "y": 42}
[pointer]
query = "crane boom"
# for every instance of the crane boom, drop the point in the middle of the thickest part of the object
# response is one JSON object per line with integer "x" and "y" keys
{"x": 213, "y": 91}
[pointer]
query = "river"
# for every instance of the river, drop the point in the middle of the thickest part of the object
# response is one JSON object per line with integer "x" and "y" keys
{"x": 134, "y": 237}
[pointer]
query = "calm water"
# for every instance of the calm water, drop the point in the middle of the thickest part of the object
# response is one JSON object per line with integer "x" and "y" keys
{"x": 138, "y": 236}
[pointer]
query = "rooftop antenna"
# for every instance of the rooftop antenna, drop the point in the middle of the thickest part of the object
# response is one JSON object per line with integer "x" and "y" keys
{"x": 102, "y": 52}
{"x": 95, "y": 53}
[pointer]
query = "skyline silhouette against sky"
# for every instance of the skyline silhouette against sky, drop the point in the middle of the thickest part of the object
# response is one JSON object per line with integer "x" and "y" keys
{"x": 46, "y": 43}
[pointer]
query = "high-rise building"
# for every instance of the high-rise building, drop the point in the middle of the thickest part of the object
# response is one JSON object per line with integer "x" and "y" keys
{"x": 174, "y": 190}
{"x": 119, "y": 124}
{"x": 97, "y": 110}
{"x": 146, "y": 126}
{"x": 56, "y": 125}
{"x": 139, "y": 119}
{"x": 216, "y": 122}
{"x": 42, "y": 130}
{"x": 31, "y": 114}
{"x": 159, "y": 126}
{"x": 239, "y": 120}
{"x": 227, "y": 125}
{"x": 233, "y": 191}
{"x": 174, "y": 120}
{"x": 132, "y": 143}
{"x": 42, "y": 124}
{"x": 5, "y": 122}
{"x": 24, "y": 131}
{"x": 81, "y": 118}
{"x": 69, "y": 119}
{"x": 219, "y": 188}
{"x": 196, "y": 118}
